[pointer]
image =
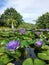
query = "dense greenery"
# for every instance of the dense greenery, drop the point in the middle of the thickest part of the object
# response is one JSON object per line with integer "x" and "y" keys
{"x": 38, "y": 56}
{"x": 26, "y": 26}
{"x": 43, "y": 21}
{"x": 10, "y": 15}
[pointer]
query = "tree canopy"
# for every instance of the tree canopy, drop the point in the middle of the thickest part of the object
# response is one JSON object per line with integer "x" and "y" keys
{"x": 43, "y": 21}
{"x": 9, "y": 15}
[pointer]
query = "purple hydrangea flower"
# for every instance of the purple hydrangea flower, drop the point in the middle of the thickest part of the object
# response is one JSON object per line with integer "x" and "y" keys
{"x": 39, "y": 43}
{"x": 22, "y": 31}
{"x": 46, "y": 29}
{"x": 38, "y": 33}
{"x": 12, "y": 45}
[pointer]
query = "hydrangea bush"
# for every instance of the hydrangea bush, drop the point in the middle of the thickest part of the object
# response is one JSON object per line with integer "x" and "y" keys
{"x": 24, "y": 47}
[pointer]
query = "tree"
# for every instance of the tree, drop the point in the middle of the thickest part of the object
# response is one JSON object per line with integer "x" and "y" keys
{"x": 11, "y": 15}
{"x": 43, "y": 21}
{"x": 11, "y": 23}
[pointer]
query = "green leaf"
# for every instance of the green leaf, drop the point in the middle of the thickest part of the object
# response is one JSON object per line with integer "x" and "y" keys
{"x": 31, "y": 41}
{"x": 46, "y": 52}
{"x": 1, "y": 54}
{"x": 1, "y": 63}
{"x": 10, "y": 64}
{"x": 28, "y": 61}
{"x": 4, "y": 42}
{"x": 39, "y": 62}
{"x": 18, "y": 53}
{"x": 45, "y": 47}
{"x": 43, "y": 56}
{"x": 4, "y": 58}
{"x": 24, "y": 43}
{"x": 2, "y": 49}
{"x": 14, "y": 54}
{"x": 25, "y": 37}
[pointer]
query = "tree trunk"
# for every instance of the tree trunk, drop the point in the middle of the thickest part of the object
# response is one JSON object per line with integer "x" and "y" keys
{"x": 12, "y": 26}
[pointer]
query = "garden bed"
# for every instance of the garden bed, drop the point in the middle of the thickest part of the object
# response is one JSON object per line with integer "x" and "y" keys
{"x": 24, "y": 47}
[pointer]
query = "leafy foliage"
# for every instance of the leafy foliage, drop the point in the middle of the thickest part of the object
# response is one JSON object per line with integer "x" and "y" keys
{"x": 39, "y": 62}
{"x": 24, "y": 53}
{"x": 43, "y": 21}
{"x": 10, "y": 15}
{"x": 28, "y": 61}
{"x": 43, "y": 56}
